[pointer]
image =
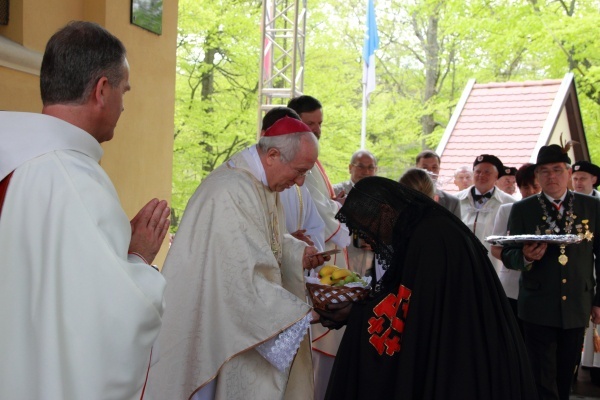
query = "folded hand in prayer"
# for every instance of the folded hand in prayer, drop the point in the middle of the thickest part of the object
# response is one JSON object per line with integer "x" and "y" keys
{"x": 149, "y": 228}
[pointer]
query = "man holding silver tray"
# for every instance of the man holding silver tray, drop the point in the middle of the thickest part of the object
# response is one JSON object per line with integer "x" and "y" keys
{"x": 556, "y": 290}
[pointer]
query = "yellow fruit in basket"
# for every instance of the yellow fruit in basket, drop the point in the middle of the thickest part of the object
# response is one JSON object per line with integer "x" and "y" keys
{"x": 327, "y": 270}
{"x": 326, "y": 280}
{"x": 341, "y": 273}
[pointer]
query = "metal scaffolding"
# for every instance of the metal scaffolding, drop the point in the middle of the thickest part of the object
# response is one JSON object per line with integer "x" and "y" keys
{"x": 282, "y": 62}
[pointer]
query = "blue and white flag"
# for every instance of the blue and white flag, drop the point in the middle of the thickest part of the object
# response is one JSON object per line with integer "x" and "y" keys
{"x": 371, "y": 44}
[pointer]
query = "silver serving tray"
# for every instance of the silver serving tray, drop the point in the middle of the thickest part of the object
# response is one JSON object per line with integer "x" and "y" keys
{"x": 520, "y": 239}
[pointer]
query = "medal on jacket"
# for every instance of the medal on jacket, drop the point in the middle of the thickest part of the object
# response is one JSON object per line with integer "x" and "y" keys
{"x": 587, "y": 235}
{"x": 563, "y": 259}
{"x": 552, "y": 226}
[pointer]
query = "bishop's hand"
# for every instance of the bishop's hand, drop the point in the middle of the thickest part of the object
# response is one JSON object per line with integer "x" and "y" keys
{"x": 310, "y": 260}
{"x": 149, "y": 228}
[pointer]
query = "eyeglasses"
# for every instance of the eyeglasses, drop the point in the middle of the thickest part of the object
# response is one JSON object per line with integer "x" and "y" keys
{"x": 546, "y": 172}
{"x": 366, "y": 167}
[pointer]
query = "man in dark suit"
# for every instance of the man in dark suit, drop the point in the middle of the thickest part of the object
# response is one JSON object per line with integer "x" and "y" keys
{"x": 586, "y": 178}
{"x": 430, "y": 161}
{"x": 556, "y": 291}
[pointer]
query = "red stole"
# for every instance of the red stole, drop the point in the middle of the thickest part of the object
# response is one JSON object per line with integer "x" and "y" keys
{"x": 3, "y": 189}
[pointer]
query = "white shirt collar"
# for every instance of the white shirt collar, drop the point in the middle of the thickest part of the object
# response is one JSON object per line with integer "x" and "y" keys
{"x": 255, "y": 166}
{"x": 551, "y": 199}
{"x": 479, "y": 193}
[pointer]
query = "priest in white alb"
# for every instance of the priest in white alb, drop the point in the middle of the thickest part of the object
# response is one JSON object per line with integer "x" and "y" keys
{"x": 317, "y": 182}
{"x": 79, "y": 314}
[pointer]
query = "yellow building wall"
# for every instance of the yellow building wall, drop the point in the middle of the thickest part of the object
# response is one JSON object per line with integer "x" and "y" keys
{"x": 139, "y": 158}
{"x": 19, "y": 91}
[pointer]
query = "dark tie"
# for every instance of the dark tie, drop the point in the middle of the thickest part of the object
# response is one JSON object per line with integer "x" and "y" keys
{"x": 479, "y": 197}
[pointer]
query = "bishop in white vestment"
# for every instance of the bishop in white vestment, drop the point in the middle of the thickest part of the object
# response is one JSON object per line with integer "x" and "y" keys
{"x": 237, "y": 322}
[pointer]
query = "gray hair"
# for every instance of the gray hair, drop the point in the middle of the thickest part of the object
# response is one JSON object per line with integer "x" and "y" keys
{"x": 464, "y": 168}
{"x": 288, "y": 145}
{"x": 360, "y": 153}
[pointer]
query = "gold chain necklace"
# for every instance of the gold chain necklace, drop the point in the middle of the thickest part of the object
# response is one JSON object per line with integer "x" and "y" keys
{"x": 553, "y": 228}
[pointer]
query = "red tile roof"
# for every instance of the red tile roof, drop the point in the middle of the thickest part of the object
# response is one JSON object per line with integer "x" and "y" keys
{"x": 504, "y": 119}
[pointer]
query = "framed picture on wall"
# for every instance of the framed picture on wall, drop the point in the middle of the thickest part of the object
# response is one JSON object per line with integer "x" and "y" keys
{"x": 3, "y": 12}
{"x": 147, "y": 14}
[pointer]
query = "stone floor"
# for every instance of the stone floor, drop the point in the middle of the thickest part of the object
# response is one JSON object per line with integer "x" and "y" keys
{"x": 584, "y": 389}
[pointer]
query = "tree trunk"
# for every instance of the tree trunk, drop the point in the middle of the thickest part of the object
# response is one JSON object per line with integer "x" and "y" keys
{"x": 432, "y": 73}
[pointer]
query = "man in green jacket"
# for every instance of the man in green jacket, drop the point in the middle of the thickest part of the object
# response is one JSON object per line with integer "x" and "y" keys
{"x": 556, "y": 291}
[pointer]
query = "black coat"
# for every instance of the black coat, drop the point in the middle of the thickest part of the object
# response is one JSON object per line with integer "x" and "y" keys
{"x": 455, "y": 338}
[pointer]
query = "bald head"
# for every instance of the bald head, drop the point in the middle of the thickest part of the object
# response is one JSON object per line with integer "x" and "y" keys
{"x": 362, "y": 164}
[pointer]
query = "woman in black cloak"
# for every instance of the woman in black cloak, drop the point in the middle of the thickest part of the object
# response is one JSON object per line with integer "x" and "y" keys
{"x": 437, "y": 325}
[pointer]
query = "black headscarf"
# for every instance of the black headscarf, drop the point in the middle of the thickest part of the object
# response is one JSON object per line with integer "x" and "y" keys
{"x": 384, "y": 213}
{"x": 438, "y": 326}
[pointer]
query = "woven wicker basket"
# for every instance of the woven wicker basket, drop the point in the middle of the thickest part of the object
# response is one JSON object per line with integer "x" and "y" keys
{"x": 322, "y": 295}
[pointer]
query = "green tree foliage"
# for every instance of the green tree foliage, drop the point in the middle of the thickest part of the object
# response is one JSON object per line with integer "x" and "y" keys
{"x": 216, "y": 88}
{"x": 429, "y": 49}
{"x": 572, "y": 27}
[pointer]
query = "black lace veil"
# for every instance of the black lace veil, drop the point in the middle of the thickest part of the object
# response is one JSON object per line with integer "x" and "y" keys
{"x": 384, "y": 213}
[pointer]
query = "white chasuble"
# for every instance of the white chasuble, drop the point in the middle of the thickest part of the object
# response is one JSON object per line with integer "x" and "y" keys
{"x": 227, "y": 294}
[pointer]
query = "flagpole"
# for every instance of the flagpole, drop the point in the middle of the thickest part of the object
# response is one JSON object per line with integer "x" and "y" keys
{"x": 371, "y": 44}
{"x": 363, "y": 130}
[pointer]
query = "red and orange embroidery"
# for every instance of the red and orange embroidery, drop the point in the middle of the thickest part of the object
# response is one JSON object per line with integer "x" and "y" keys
{"x": 389, "y": 322}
